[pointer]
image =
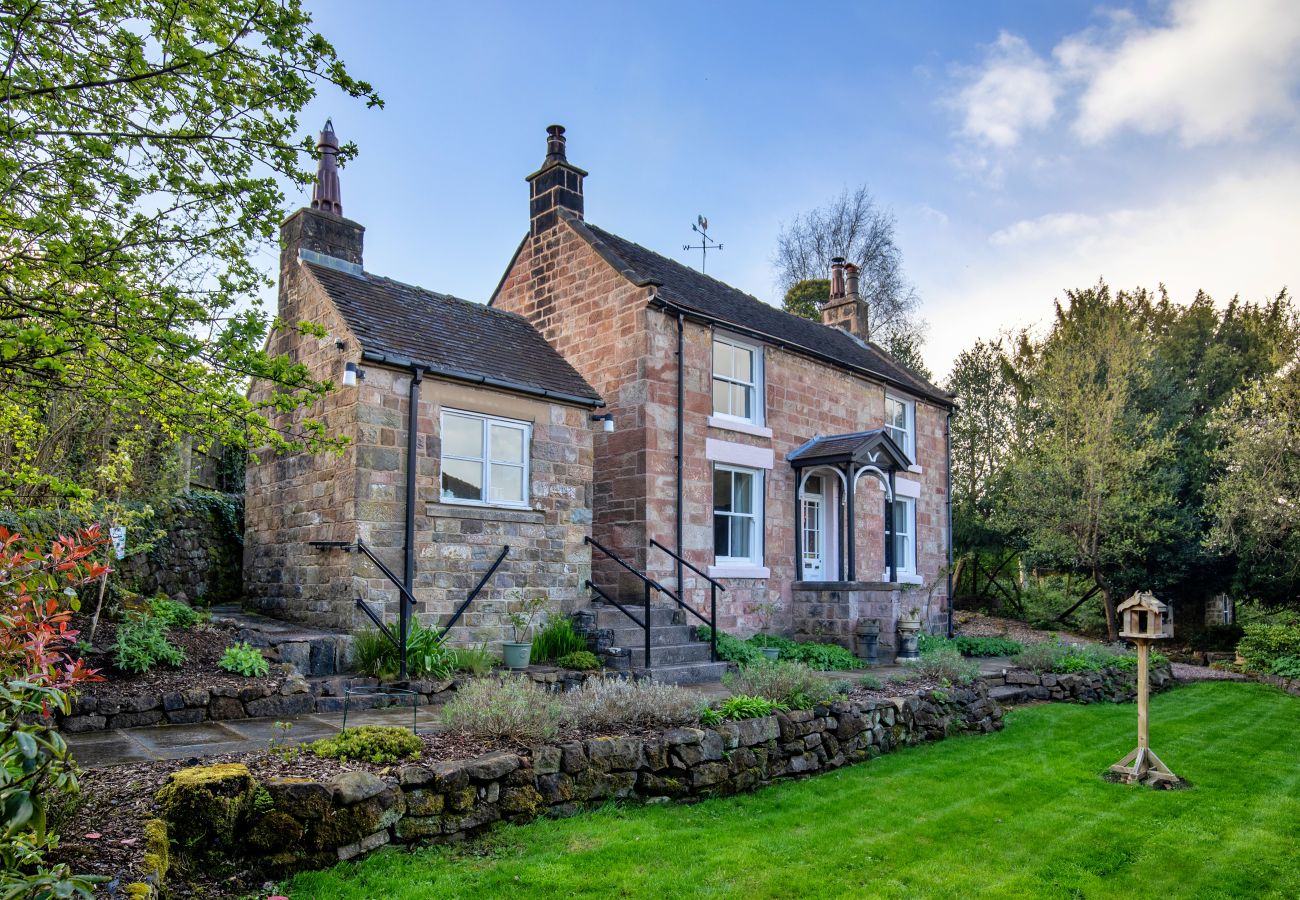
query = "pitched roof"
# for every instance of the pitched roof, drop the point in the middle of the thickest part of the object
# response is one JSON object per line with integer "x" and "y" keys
{"x": 859, "y": 447}
{"x": 404, "y": 325}
{"x": 694, "y": 291}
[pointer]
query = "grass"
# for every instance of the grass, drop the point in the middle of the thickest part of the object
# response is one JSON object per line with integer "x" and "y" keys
{"x": 1022, "y": 813}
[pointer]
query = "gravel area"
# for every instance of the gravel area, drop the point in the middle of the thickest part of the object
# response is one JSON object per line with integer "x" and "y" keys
{"x": 1185, "y": 672}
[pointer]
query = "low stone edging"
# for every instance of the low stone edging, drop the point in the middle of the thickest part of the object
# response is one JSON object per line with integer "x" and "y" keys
{"x": 300, "y": 823}
{"x": 294, "y": 696}
{"x": 1112, "y": 685}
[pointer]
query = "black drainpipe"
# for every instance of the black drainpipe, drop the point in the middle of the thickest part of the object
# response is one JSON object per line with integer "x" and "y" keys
{"x": 681, "y": 402}
{"x": 947, "y": 449}
{"x": 408, "y": 577}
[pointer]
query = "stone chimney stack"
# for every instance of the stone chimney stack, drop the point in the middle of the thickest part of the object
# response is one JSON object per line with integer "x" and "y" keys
{"x": 556, "y": 185}
{"x": 845, "y": 308}
{"x": 320, "y": 229}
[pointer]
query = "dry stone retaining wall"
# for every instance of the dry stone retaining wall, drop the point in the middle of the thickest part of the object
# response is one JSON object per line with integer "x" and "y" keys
{"x": 314, "y": 824}
{"x": 1113, "y": 685}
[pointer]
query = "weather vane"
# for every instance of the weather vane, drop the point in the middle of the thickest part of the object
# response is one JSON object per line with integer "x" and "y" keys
{"x": 701, "y": 227}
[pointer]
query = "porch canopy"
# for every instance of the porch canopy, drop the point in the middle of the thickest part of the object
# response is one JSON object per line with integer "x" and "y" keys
{"x": 850, "y": 456}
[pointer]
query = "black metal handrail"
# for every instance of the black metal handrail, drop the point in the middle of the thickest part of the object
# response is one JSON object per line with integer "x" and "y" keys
{"x": 714, "y": 587}
{"x": 610, "y": 600}
{"x": 648, "y": 584}
{"x": 474, "y": 593}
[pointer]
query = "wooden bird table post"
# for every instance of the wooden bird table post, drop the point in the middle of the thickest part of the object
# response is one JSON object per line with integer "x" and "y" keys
{"x": 1144, "y": 619}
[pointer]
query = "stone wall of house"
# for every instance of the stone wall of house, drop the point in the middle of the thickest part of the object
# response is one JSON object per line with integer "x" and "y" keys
{"x": 455, "y": 544}
{"x": 601, "y": 323}
{"x": 199, "y": 558}
{"x": 830, "y": 613}
{"x": 294, "y": 498}
{"x": 804, "y": 398}
{"x": 314, "y": 824}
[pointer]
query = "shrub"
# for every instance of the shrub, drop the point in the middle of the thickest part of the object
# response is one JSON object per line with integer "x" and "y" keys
{"x": 791, "y": 683}
{"x": 245, "y": 660}
{"x": 1287, "y": 666}
{"x": 822, "y": 657}
{"x": 969, "y": 645}
{"x": 369, "y": 743}
{"x": 511, "y": 707}
{"x": 557, "y": 639}
{"x": 427, "y": 656}
{"x": 1262, "y": 643}
{"x": 142, "y": 644}
{"x": 743, "y": 707}
{"x": 870, "y": 683}
{"x": 38, "y": 783}
{"x": 582, "y": 660}
{"x": 732, "y": 649}
{"x": 616, "y": 703}
{"x": 903, "y": 677}
{"x": 944, "y": 663}
{"x": 173, "y": 613}
{"x": 1057, "y": 656}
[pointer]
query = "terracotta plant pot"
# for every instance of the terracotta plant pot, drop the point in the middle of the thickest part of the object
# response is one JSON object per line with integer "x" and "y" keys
{"x": 516, "y": 654}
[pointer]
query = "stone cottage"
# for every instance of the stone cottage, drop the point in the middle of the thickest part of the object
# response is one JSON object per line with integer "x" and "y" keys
{"x": 468, "y": 433}
{"x": 795, "y": 463}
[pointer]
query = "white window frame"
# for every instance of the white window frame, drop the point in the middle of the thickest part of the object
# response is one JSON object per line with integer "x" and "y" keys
{"x": 755, "y": 559}
{"x": 906, "y": 565}
{"x": 908, "y": 443}
{"x": 758, "y": 401}
{"x": 486, "y": 421}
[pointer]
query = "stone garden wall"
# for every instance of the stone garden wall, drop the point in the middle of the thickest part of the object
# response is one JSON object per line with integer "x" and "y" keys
{"x": 1113, "y": 685}
{"x": 310, "y": 824}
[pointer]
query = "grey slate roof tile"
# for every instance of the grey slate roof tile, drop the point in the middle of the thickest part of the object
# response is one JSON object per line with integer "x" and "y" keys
{"x": 411, "y": 325}
{"x": 682, "y": 286}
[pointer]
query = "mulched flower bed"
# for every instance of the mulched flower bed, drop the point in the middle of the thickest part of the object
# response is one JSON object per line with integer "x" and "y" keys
{"x": 203, "y": 646}
{"x": 979, "y": 625}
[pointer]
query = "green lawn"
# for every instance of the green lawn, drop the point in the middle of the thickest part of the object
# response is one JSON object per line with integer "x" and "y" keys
{"x": 1022, "y": 813}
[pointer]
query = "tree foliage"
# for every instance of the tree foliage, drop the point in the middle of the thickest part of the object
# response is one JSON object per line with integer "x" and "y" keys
{"x": 852, "y": 226}
{"x": 145, "y": 145}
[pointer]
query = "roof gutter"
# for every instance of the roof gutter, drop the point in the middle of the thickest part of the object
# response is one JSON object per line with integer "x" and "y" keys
{"x": 697, "y": 316}
{"x": 402, "y": 362}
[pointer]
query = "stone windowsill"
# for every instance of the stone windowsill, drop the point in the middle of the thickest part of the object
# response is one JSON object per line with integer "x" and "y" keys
{"x": 845, "y": 586}
{"x": 739, "y": 572}
{"x": 486, "y": 513}
{"x": 738, "y": 426}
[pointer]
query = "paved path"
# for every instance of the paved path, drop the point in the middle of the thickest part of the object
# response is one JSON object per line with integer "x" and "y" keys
{"x": 95, "y": 749}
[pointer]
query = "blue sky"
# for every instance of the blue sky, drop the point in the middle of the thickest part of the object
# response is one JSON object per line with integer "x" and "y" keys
{"x": 1024, "y": 147}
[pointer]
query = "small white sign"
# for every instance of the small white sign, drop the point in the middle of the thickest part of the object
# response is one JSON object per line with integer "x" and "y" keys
{"x": 117, "y": 534}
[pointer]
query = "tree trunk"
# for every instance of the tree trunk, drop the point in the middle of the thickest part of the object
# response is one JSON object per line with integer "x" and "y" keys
{"x": 1108, "y": 604}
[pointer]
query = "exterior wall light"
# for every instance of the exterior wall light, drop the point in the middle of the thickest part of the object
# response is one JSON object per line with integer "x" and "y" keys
{"x": 607, "y": 418}
{"x": 352, "y": 374}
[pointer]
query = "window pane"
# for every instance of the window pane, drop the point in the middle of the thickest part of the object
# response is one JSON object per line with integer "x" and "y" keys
{"x": 741, "y": 532}
{"x": 722, "y": 361}
{"x": 901, "y": 518}
{"x": 722, "y": 398}
{"x": 462, "y": 436}
{"x": 743, "y": 361}
{"x": 743, "y": 492}
{"x": 721, "y": 490}
{"x": 507, "y": 444}
{"x": 462, "y": 479}
{"x": 507, "y": 484}
{"x": 721, "y": 533}
{"x": 740, "y": 406}
{"x": 900, "y": 552}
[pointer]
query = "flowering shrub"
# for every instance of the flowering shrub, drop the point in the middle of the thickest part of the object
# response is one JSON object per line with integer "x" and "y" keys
{"x": 38, "y": 595}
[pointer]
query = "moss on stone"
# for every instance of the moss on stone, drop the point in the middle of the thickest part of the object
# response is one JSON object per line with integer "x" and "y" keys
{"x": 275, "y": 830}
{"x": 207, "y": 804}
{"x": 157, "y": 849}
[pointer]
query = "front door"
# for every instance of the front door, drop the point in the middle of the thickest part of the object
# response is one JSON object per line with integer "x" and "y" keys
{"x": 813, "y": 516}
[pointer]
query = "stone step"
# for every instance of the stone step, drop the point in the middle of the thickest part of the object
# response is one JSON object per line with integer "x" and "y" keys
{"x": 670, "y": 654}
{"x": 659, "y": 635}
{"x": 1009, "y": 694}
{"x": 692, "y": 673}
{"x": 312, "y": 651}
{"x": 612, "y": 617}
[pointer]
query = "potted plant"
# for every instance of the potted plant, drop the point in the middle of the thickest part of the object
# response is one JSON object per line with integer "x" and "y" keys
{"x": 765, "y": 611}
{"x": 517, "y": 653}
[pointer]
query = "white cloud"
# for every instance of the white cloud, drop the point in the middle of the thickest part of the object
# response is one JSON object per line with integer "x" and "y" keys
{"x": 1236, "y": 234}
{"x": 1012, "y": 92}
{"x": 1215, "y": 70}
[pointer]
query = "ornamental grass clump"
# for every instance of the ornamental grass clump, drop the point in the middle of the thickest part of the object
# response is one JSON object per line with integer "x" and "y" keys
{"x": 791, "y": 683}
{"x": 608, "y": 703}
{"x": 510, "y": 707}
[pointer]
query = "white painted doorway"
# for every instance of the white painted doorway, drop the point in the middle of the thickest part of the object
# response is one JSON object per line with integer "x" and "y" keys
{"x": 813, "y": 517}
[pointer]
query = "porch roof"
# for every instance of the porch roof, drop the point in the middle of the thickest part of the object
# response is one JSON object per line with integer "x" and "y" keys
{"x": 874, "y": 447}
